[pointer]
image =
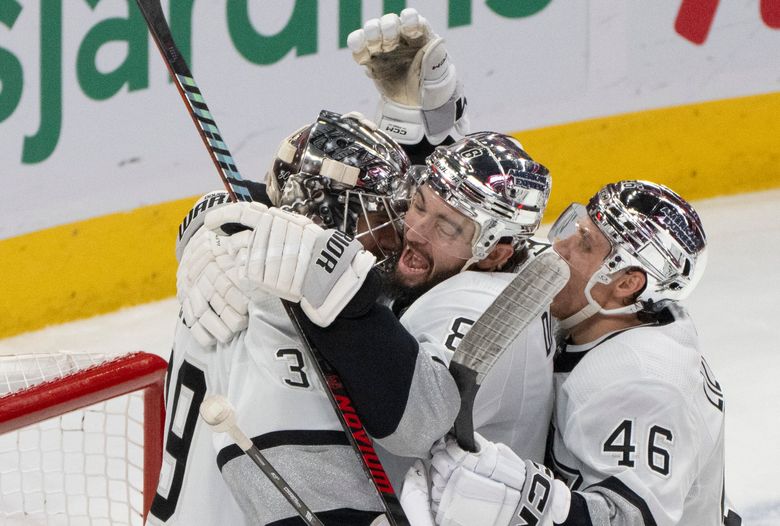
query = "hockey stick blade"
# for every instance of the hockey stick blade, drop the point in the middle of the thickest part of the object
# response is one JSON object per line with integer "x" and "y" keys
{"x": 236, "y": 187}
{"x": 522, "y": 301}
{"x": 217, "y": 412}
{"x": 191, "y": 95}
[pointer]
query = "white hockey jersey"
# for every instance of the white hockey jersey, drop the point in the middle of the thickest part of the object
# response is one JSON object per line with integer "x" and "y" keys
{"x": 514, "y": 403}
{"x": 282, "y": 406}
{"x": 638, "y": 428}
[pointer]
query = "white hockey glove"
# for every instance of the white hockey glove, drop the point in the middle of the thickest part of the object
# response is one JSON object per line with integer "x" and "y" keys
{"x": 493, "y": 487}
{"x": 195, "y": 217}
{"x": 416, "y": 497}
{"x": 214, "y": 306}
{"x": 421, "y": 96}
{"x": 293, "y": 258}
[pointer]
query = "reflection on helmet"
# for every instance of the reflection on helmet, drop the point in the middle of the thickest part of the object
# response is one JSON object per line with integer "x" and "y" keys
{"x": 648, "y": 227}
{"x": 340, "y": 171}
{"x": 652, "y": 228}
{"x": 489, "y": 178}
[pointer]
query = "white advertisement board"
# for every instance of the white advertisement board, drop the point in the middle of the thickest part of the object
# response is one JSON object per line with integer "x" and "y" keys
{"x": 91, "y": 125}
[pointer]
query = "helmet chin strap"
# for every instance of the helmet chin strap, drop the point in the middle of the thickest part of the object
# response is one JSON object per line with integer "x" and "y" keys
{"x": 593, "y": 307}
{"x": 469, "y": 262}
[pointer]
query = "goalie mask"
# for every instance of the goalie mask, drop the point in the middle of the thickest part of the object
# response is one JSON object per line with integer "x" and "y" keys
{"x": 341, "y": 172}
{"x": 491, "y": 180}
{"x": 649, "y": 227}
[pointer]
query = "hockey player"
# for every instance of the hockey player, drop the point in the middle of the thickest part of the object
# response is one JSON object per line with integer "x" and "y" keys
{"x": 477, "y": 203}
{"x": 337, "y": 172}
{"x": 637, "y": 433}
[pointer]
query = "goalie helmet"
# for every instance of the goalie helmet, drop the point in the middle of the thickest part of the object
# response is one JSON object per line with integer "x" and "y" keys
{"x": 653, "y": 228}
{"x": 489, "y": 178}
{"x": 336, "y": 170}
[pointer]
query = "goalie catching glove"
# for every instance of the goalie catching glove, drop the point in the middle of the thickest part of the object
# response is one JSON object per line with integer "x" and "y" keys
{"x": 491, "y": 487}
{"x": 421, "y": 96}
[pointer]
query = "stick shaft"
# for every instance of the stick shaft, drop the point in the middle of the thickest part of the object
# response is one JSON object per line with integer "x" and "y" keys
{"x": 276, "y": 479}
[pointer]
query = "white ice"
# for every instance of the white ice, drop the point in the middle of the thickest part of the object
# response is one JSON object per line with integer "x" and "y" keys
{"x": 735, "y": 307}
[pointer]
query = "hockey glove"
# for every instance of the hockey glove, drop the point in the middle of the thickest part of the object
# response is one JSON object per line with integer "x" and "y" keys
{"x": 294, "y": 259}
{"x": 196, "y": 216}
{"x": 421, "y": 96}
{"x": 214, "y": 306}
{"x": 416, "y": 497}
{"x": 493, "y": 486}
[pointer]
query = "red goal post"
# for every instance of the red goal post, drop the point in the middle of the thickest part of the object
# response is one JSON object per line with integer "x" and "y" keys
{"x": 78, "y": 388}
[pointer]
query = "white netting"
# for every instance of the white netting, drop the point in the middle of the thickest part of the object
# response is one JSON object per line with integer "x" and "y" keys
{"x": 25, "y": 370}
{"x": 82, "y": 467}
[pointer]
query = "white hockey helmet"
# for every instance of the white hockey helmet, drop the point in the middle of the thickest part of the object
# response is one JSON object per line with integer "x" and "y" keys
{"x": 489, "y": 178}
{"x": 337, "y": 169}
{"x": 649, "y": 227}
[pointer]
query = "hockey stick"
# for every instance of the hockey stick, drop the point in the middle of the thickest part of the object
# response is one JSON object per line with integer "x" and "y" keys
{"x": 236, "y": 187}
{"x": 196, "y": 105}
{"x": 220, "y": 415}
{"x": 510, "y": 313}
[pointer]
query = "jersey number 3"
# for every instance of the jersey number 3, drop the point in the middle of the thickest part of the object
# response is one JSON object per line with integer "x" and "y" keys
{"x": 295, "y": 364}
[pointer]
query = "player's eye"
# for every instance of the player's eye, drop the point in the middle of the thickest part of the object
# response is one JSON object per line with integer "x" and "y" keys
{"x": 447, "y": 230}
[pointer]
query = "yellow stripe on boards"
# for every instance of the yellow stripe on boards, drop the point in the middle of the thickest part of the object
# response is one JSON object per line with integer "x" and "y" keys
{"x": 89, "y": 267}
{"x": 699, "y": 150}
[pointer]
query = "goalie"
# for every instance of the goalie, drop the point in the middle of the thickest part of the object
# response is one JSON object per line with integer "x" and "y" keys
{"x": 337, "y": 174}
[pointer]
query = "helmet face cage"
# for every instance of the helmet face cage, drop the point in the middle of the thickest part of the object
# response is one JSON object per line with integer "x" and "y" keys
{"x": 491, "y": 180}
{"x": 652, "y": 228}
{"x": 337, "y": 170}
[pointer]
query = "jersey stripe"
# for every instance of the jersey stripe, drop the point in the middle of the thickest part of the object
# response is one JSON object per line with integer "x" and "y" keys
{"x": 285, "y": 438}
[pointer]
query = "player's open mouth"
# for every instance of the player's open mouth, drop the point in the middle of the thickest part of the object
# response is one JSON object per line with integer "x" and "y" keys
{"x": 413, "y": 262}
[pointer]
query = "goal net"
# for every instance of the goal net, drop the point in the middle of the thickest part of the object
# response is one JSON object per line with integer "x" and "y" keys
{"x": 80, "y": 437}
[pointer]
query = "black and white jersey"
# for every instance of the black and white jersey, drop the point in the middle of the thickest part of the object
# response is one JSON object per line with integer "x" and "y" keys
{"x": 282, "y": 406}
{"x": 637, "y": 431}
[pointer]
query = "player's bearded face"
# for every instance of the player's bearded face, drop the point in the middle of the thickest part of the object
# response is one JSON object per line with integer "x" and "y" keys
{"x": 584, "y": 250}
{"x": 437, "y": 241}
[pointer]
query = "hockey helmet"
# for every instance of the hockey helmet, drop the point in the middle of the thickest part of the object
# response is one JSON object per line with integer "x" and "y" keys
{"x": 489, "y": 178}
{"x": 649, "y": 227}
{"x": 337, "y": 170}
